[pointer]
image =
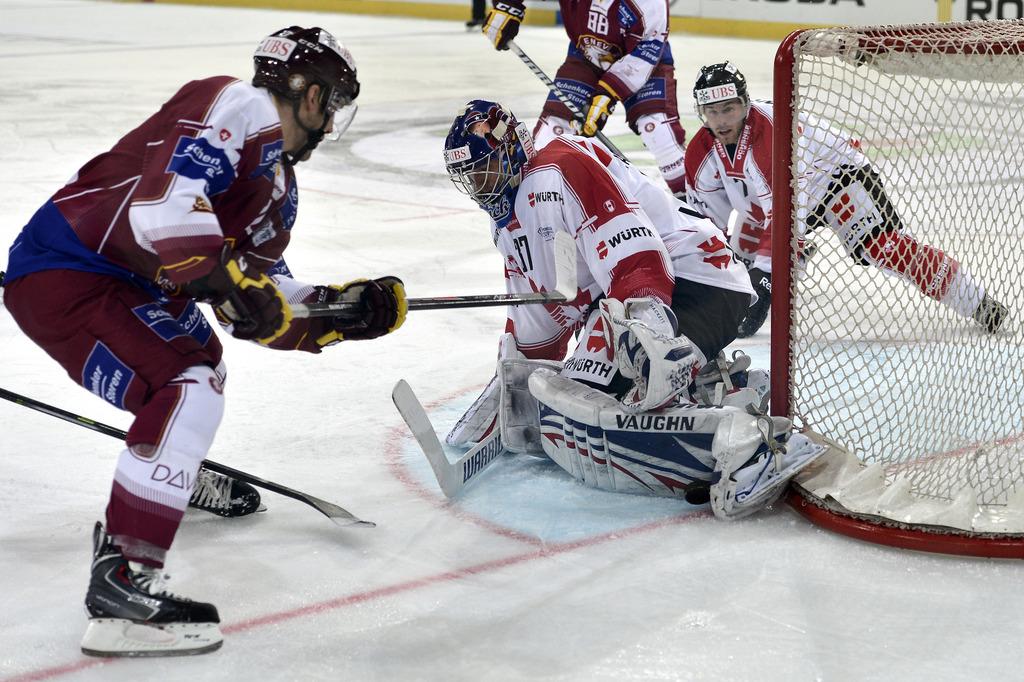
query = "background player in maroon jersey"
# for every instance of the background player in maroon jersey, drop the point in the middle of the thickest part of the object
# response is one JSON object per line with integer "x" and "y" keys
{"x": 618, "y": 52}
{"x": 195, "y": 204}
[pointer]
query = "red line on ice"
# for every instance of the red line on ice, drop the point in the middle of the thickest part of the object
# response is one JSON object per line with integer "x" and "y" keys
{"x": 540, "y": 550}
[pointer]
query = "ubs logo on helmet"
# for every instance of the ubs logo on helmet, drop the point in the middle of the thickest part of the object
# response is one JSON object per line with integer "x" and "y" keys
{"x": 457, "y": 155}
{"x": 716, "y": 93}
{"x": 276, "y": 48}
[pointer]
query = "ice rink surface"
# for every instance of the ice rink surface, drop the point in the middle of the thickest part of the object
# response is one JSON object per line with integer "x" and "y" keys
{"x": 528, "y": 576}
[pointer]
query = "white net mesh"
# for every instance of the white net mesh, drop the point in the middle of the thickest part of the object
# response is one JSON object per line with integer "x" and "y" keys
{"x": 886, "y": 356}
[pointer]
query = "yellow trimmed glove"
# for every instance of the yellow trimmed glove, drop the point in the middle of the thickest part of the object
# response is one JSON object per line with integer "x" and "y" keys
{"x": 382, "y": 307}
{"x": 502, "y": 23}
{"x": 601, "y": 107}
{"x": 245, "y": 298}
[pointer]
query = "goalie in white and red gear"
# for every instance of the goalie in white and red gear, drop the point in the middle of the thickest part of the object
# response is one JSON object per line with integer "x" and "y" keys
{"x": 729, "y": 169}
{"x": 659, "y": 294}
{"x": 633, "y": 240}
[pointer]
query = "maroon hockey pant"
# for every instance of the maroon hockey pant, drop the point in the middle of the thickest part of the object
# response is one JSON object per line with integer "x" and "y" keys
{"x": 120, "y": 342}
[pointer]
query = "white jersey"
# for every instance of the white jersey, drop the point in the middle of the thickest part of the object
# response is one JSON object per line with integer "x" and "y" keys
{"x": 720, "y": 182}
{"x": 632, "y": 239}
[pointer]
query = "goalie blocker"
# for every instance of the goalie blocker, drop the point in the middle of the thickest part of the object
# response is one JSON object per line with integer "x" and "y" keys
{"x": 741, "y": 461}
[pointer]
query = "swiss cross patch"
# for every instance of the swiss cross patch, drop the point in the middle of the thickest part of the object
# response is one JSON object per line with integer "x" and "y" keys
{"x": 225, "y": 134}
{"x": 602, "y": 250}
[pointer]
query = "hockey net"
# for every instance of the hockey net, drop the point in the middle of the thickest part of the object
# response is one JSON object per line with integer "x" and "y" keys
{"x": 925, "y": 407}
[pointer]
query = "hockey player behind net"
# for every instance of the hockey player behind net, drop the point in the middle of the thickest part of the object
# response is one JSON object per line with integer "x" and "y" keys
{"x": 195, "y": 204}
{"x": 618, "y": 52}
{"x": 729, "y": 168}
{"x": 659, "y": 294}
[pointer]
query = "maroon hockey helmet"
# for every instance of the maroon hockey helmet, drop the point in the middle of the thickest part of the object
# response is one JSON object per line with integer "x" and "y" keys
{"x": 288, "y": 61}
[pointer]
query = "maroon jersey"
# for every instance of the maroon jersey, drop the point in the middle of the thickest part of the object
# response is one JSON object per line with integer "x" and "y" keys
{"x": 203, "y": 170}
{"x": 624, "y": 38}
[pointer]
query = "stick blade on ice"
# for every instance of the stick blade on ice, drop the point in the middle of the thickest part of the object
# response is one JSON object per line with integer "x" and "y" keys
{"x": 416, "y": 418}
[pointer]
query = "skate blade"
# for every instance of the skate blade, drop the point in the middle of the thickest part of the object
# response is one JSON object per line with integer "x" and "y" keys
{"x": 117, "y": 637}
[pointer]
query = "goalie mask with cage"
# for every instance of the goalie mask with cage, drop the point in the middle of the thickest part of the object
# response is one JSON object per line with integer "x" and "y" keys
{"x": 485, "y": 151}
{"x": 289, "y": 61}
{"x": 719, "y": 83}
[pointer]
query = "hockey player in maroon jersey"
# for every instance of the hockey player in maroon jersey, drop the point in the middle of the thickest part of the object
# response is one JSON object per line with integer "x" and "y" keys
{"x": 618, "y": 52}
{"x": 195, "y": 204}
{"x": 729, "y": 168}
{"x": 660, "y": 294}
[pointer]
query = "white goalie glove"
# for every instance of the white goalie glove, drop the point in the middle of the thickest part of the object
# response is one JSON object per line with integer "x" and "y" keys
{"x": 660, "y": 364}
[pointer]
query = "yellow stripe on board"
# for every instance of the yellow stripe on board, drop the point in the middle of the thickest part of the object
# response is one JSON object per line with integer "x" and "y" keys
{"x": 422, "y": 10}
{"x": 736, "y": 28}
{"x": 945, "y": 10}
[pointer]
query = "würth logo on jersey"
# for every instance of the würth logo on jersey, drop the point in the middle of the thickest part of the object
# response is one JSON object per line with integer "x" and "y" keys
{"x": 624, "y": 236}
{"x": 538, "y": 197}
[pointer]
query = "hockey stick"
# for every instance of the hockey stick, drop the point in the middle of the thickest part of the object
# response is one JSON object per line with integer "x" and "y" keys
{"x": 338, "y": 515}
{"x": 569, "y": 104}
{"x": 565, "y": 291}
{"x": 452, "y": 477}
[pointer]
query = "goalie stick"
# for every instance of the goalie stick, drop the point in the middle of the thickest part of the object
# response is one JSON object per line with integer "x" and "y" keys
{"x": 338, "y": 515}
{"x": 569, "y": 104}
{"x": 565, "y": 291}
{"x": 452, "y": 476}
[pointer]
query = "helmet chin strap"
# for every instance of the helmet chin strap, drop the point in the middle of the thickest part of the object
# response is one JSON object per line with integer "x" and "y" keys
{"x": 313, "y": 136}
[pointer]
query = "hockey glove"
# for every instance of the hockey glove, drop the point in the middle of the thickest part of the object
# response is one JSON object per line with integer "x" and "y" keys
{"x": 381, "y": 309}
{"x": 244, "y": 298}
{"x": 601, "y": 108}
{"x": 502, "y": 23}
{"x": 757, "y": 313}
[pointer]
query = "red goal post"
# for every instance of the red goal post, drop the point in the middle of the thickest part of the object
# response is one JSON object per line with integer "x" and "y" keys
{"x": 924, "y": 407}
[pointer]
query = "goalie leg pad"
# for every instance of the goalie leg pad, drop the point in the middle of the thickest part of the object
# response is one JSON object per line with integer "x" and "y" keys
{"x": 748, "y": 484}
{"x": 588, "y": 434}
{"x": 518, "y": 411}
{"x": 481, "y": 419}
{"x": 505, "y": 405}
{"x": 745, "y": 461}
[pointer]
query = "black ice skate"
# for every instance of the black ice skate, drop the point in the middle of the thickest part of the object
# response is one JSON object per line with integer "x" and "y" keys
{"x": 990, "y": 314}
{"x": 224, "y": 496}
{"x": 130, "y": 613}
